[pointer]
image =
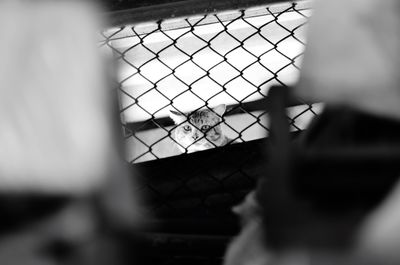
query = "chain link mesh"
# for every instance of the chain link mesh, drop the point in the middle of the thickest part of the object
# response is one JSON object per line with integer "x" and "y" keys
{"x": 199, "y": 62}
{"x": 188, "y": 64}
{"x": 195, "y": 63}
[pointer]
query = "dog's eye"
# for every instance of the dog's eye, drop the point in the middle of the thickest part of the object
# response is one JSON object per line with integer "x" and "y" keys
{"x": 187, "y": 128}
{"x": 205, "y": 127}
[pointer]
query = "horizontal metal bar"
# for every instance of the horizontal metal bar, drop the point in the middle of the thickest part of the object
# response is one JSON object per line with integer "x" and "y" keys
{"x": 180, "y": 9}
{"x": 257, "y": 105}
{"x": 167, "y": 245}
{"x": 198, "y": 226}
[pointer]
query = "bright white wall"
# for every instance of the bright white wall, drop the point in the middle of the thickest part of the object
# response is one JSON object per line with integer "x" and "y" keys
{"x": 157, "y": 90}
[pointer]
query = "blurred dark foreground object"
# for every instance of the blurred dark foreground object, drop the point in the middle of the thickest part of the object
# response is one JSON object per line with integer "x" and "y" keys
{"x": 328, "y": 196}
{"x": 321, "y": 188}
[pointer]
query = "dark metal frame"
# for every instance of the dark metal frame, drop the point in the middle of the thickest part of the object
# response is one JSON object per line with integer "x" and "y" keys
{"x": 126, "y": 14}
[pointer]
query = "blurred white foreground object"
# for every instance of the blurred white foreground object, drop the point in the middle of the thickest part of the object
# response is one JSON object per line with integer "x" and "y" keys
{"x": 353, "y": 55}
{"x": 380, "y": 235}
{"x": 55, "y": 131}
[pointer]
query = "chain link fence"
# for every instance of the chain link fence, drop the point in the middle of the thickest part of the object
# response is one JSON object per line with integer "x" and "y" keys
{"x": 200, "y": 62}
{"x": 188, "y": 65}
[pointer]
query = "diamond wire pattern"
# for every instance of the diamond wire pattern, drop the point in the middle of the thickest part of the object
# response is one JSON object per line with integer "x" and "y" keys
{"x": 202, "y": 185}
{"x": 189, "y": 57}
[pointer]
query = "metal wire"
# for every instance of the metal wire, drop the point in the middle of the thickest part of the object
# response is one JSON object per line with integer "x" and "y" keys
{"x": 200, "y": 61}
{"x": 185, "y": 39}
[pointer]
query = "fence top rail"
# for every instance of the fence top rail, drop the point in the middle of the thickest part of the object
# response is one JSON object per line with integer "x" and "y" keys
{"x": 189, "y": 8}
